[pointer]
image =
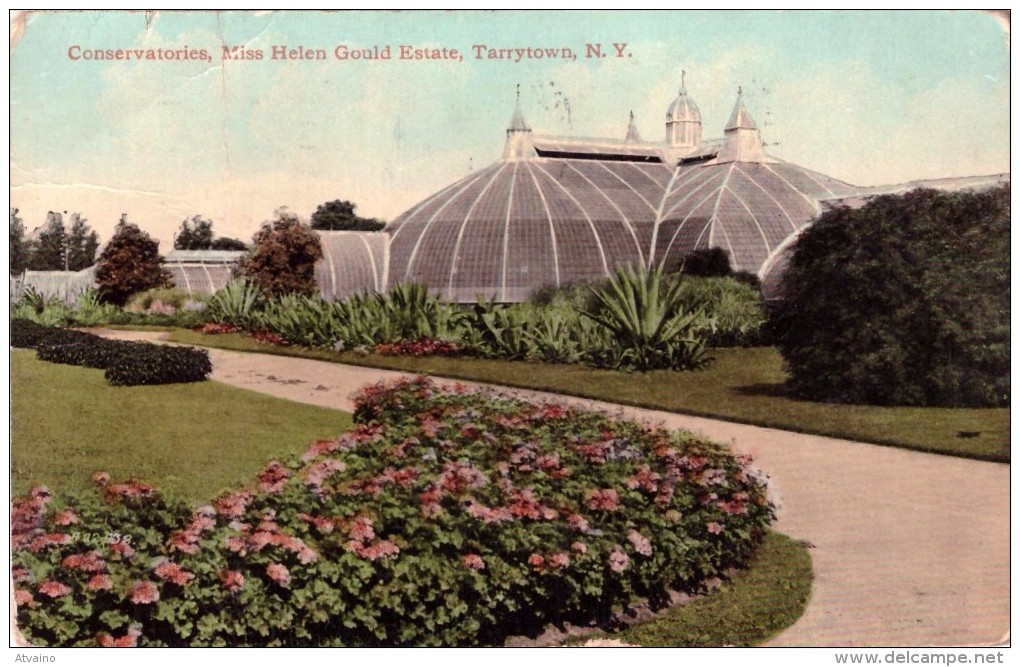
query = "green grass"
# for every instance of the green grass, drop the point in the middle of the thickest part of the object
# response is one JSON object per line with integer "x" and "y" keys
{"x": 747, "y": 610}
{"x": 742, "y": 385}
{"x": 189, "y": 440}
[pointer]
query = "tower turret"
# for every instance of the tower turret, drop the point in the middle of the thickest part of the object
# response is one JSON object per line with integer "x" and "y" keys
{"x": 742, "y": 140}
{"x": 519, "y": 143}
{"x": 633, "y": 137}
{"x": 683, "y": 119}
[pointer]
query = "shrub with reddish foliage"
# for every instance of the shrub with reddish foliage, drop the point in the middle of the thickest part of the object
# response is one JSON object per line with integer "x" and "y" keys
{"x": 420, "y": 347}
{"x": 214, "y": 328}
{"x": 442, "y": 518}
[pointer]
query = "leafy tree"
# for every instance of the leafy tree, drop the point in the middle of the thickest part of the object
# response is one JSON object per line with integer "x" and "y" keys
{"x": 194, "y": 234}
{"x": 284, "y": 257}
{"x": 19, "y": 246}
{"x": 82, "y": 244}
{"x": 130, "y": 263}
{"x": 49, "y": 246}
{"x": 904, "y": 301}
{"x": 226, "y": 243}
{"x": 339, "y": 215}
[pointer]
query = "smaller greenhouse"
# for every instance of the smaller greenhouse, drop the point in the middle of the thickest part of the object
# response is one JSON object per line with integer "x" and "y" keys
{"x": 201, "y": 272}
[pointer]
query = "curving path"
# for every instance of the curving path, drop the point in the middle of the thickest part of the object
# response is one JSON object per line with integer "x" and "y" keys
{"x": 909, "y": 549}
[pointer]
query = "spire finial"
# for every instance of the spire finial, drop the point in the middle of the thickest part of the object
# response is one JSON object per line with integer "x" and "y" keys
{"x": 518, "y": 94}
{"x": 740, "y": 90}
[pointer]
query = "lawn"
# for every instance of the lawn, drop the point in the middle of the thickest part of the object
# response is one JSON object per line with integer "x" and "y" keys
{"x": 741, "y": 385}
{"x": 189, "y": 440}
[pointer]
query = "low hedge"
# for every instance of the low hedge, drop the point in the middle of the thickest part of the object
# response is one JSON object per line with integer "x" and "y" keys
{"x": 441, "y": 518}
{"x": 125, "y": 362}
{"x": 158, "y": 364}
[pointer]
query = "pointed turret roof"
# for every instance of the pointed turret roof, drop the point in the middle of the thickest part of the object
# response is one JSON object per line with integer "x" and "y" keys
{"x": 517, "y": 122}
{"x": 741, "y": 118}
{"x": 633, "y": 137}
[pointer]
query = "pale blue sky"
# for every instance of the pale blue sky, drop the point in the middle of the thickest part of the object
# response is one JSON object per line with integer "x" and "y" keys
{"x": 870, "y": 98}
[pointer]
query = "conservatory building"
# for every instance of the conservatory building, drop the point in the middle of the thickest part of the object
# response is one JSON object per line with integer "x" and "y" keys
{"x": 555, "y": 210}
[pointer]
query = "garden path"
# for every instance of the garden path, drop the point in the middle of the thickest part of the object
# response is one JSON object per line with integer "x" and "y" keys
{"x": 909, "y": 549}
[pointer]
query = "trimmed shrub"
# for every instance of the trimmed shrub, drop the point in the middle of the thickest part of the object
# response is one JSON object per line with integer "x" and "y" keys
{"x": 158, "y": 364}
{"x": 441, "y": 518}
{"x": 29, "y": 334}
{"x": 91, "y": 352}
{"x": 904, "y": 301}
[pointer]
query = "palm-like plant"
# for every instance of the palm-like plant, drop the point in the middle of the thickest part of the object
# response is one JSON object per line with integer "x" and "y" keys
{"x": 236, "y": 304}
{"x": 648, "y": 322}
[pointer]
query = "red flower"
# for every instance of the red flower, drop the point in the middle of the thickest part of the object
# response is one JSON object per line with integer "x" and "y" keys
{"x": 715, "y": 527}
{"x": 604, "y": 499}
{"x": 23, "y": 598}
{"x": 232, "y": 580}
{"x": 172, "y": 572}
{"x": 278, "y": 573}
{"x": 144, "y": 592}
{"x": 53, "y": 589}
{"x": 233, "y": 505}
{"x": 474, "y": 561}
{"x": 537, "y": 561}
{"x": 100, "y": 582}
{"x": 48, "y": 540}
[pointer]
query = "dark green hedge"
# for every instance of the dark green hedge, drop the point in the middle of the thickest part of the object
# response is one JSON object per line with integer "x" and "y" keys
{"x": 126, "y": 362}
{"x": 159, "y": 364}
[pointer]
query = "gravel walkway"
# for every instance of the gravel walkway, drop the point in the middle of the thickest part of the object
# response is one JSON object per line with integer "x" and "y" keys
{"x": 909, "y": 549}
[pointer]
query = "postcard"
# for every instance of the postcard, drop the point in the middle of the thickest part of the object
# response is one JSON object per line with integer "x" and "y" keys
{"x": 479, "y": 167}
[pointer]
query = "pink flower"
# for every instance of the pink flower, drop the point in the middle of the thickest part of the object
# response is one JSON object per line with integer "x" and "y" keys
{"x": 604, "y": 499}
{"x": 324, "y": 525}
{"x": 53, "y": 589}
{"x": 174, "y": 573}
{"x": 19, "y": 573}
{"x": 579, "y": 547}
{"x": 131, "y": 489}
{"x": 618, "y": 560}
{"x": 578, "y": 523}
{"x": 320, "y": 447}
{"x": 278, "y": 573}
{"x": 559, "y": 561}
{"x": 48, "y": 540}
{"x": 715, "y": 527}
{"x": 100, "y": 478}
{"x": 65, "y": 518}
{"x": 232, "y": 580}
{"x": 233, "y": 505}
{"x": 23, "y": 598}
{"x": 642, "y": 544}
{"x": 537, "y": 561}
{"x": 273, "y": 478}
{"x": 128, "y": 640}
{"x": 121, "y": 547}
{"x": 87, "y": 562}
{"x": 144, "y": 592}
{"x": 100, "y": 582}
{"x": 474, "y": 561}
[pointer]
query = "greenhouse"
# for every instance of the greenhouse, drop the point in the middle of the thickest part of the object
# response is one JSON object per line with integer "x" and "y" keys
{"x": 556, "y": 210}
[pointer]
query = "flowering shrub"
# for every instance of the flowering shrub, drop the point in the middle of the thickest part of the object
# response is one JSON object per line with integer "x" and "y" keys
{"x": 420, "y": 347}
{"x": 441, "y": 518}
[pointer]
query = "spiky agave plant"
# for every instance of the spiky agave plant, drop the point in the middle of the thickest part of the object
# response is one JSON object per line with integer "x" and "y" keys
{"x": 650, "y": 327}
{"x": 236, "y": 304}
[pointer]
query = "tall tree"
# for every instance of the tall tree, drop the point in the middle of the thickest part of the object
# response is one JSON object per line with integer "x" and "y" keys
{"x": 82, "y": 244}
{"x": 49, "y": 247}
{"x": 283, "y": 261}
{"x": 19, "y": 246}
{"x": 130, "y": 263}
{"x": 195, "y": 234}
{"x": 339, "y": 215}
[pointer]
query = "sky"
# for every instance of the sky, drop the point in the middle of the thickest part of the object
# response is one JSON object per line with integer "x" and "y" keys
{"x": 867, "y": 97}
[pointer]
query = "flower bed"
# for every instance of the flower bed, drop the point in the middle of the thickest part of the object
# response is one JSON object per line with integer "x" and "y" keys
{"x": 441, "y": 518}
